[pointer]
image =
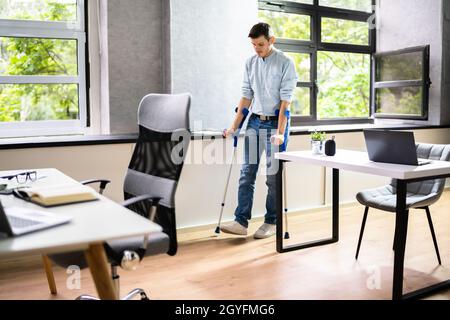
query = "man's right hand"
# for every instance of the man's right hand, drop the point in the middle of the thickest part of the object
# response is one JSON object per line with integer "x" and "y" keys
{"x": 228, "y": 132}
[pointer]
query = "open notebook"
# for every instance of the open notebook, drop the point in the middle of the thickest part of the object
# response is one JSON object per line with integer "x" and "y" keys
{"x": 56, "y": 195}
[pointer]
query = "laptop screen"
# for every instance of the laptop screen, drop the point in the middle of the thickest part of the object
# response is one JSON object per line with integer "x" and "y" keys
{"x": 396, "y": 147}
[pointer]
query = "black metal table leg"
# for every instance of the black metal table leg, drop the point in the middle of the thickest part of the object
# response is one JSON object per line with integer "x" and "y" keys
{"x": 401, "y": 229}
{"x": 335, "y": 236}
{"x": 336, "y": 205}
{"x": 279, "y": 184}
{"x": 401, "y": 226}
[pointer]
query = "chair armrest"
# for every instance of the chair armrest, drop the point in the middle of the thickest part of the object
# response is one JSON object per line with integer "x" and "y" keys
{"x": 145, "y": 197}
{"x": 138, "y": 199}
{"x": 102, "y": 182}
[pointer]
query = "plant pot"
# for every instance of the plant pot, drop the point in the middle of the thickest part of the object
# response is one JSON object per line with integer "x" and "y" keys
{"x": 317, "y": 147}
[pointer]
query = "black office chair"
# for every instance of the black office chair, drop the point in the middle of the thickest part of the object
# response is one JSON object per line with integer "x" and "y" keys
{"x": 149, "y": 187}
{"x": 420, "y": 195}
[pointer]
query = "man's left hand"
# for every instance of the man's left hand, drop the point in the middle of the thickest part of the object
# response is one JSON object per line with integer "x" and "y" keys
{"x": 277, "y": 139}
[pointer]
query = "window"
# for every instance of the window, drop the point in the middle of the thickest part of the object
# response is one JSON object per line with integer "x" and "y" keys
{"x": 344, "y": 82}
{"x": 42, "y": 67}
{"x": 402, "y": 83}
{"x": 301, "y": 102}
{"x": 331, "y": 44}
{"x": 345, "y": 31}
{"x": 288, "y": 25}
{"x": 357, "y": 5}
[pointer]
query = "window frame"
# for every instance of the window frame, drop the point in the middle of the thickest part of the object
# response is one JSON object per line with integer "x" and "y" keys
{"x": 317, "y": 12}
{"x": 75, "y": 30}
{"x": 425, "y": 84}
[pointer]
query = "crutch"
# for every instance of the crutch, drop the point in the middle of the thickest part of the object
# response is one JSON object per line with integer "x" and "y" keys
{"x": 283, "y": 148}
{"x": 245, "y": 111}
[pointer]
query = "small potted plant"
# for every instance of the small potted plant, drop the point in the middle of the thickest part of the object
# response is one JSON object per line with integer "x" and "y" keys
{"x": 317, "y": 142}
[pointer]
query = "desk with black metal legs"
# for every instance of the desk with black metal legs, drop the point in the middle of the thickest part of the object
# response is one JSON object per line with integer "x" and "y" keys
{"x": 359, "y": 162}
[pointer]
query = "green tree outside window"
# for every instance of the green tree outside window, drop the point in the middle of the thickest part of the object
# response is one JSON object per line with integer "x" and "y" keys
{"x": 38, "y": 57}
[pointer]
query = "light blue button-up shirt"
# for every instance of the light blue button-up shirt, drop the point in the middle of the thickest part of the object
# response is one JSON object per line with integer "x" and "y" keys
{"x": 269, "y": 81}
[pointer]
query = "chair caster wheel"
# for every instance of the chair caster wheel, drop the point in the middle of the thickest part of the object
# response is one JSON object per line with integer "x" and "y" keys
{"x": 144, "y": 297}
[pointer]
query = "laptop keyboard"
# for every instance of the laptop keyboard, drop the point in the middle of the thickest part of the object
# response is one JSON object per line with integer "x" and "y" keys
{"x": 16, "y": 222}
{"x": 423, "y": 162}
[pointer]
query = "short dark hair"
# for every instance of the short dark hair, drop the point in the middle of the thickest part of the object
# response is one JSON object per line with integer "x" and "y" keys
{"x": 261, "y": 29}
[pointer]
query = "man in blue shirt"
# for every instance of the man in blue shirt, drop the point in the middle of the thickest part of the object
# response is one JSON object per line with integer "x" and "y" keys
{"x": 269, "y": 82}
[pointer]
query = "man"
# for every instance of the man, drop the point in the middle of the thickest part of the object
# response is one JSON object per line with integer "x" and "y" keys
{"x": 269, "y": 82}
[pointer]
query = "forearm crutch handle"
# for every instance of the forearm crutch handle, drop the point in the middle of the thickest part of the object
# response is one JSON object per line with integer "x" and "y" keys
{"x": 245, "y": 112}
{"x": 283, "y": 147}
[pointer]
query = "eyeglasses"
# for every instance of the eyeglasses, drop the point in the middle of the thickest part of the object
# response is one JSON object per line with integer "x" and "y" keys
{"x": 22, "y": 177}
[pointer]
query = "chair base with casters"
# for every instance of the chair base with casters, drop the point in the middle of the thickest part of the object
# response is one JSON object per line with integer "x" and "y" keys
{"x": 420, "y": 195}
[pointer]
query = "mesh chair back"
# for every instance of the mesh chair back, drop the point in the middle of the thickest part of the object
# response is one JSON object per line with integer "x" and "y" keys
{"x": 157, "y": 161}
{"x": 433, "y": 152}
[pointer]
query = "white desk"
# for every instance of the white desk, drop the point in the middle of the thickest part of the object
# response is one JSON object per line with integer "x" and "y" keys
{"x": 93, "y": 223}
{"x": 359, "y": 162}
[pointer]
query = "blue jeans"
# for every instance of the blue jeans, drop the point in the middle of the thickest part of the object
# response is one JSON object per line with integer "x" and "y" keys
{"x": 257, "y": 139}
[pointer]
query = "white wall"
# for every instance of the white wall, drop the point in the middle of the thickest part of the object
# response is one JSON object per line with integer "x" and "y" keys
{"x": 81, "y": 163}
{"x": 209, "y": 46}
{"x": 201, "y": 187}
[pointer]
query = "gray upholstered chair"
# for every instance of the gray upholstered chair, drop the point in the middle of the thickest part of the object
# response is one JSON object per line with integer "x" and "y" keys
{"x": 149, "y": 187}
{"x": 420, "y": 195}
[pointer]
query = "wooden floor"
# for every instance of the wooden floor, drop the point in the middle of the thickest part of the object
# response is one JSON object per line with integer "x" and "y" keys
{"x": 227, "y": 267}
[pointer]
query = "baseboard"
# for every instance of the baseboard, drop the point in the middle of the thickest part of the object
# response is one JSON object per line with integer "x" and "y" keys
{"x": 292, "y": 212}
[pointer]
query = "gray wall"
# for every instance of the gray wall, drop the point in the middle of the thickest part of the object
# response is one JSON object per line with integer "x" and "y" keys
{"x": 445, "y": 110}
{"x": 209, "y": 48}
{"x": 135, "y": 64}
{"x": 409, "y": 23}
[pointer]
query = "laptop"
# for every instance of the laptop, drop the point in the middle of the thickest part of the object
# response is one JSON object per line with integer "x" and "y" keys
{"x": 17, "y": 221}
{"x": 396, "y": 147}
